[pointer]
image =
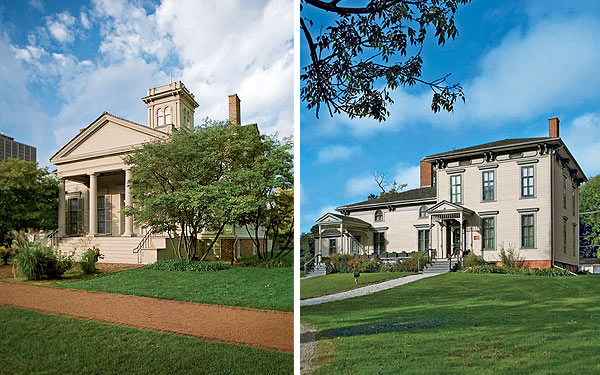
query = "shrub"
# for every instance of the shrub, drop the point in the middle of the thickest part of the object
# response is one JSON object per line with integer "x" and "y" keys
{"x": 34, "y": 262}
{"x": 485, "y": 268}
{"x": 345, "y": 263}
{"x": 271, "y": 263}
{"x": 473, "y": 260}
{"x": 510, "y": 257}
{"x": 408, "y": 265}
{"x": 6, "y": 253}
{"x": 89, "y": 259}
{"x": 187, "y": 265}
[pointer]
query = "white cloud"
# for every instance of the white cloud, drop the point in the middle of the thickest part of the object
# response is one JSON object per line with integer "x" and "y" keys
{"x": 59, "y": 27}
{"x": 361, "y": 185}
{"x": 582, "y": 137}
{"x": 37, "y": 4}
{"x": 545, "y": 67}
{"x": 408, "y": 175}
{"x": 337, "y": 152}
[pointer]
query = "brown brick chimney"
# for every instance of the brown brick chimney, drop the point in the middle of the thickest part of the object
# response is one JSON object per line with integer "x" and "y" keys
{"x": 426, "y": 174}
{"x": 235, "y": 116}
{"x": 553, "y": 127}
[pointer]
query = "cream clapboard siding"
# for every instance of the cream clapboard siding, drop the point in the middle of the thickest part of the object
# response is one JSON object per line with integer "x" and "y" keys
{"x": 560, "y": 212}
{"x": 401, "y": 233}
{"x": 508, "y": 201}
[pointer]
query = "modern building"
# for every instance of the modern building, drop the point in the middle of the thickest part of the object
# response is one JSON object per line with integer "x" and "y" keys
{"x": 519, "y": 194}
{"x": 93, "y": 182}
{"x": 11, "y": 149}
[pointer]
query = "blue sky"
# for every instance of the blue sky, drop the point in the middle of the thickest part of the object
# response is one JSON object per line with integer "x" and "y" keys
{"x": 519, "y": 62}
{"x": 66, "y": 62}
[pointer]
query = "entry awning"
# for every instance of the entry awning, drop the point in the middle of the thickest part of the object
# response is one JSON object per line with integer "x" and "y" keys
{"x": 447, "y": 210}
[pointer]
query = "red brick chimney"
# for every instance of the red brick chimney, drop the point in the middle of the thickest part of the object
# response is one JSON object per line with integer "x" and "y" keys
{"x": 553, "y": 127}
{"x": 426, "y": 174}
{"x": 235, "y": 116}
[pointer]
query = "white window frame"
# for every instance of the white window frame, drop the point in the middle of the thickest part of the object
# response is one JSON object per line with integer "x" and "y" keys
{"x": 534, "y": 230}
{"x": 160, "y": 117}
{"x": 375, "y": 216}
{"x": 423, "y": 212}
{"x": 375, "y": 249}
{"x": 332, "y": 241}
{"x": 460, "y": 188}
{"x": 521, "y": 185}
{"x": 493, "y": 181}
{"x": 426, "y": 236}
{"x": 483, "y": 218}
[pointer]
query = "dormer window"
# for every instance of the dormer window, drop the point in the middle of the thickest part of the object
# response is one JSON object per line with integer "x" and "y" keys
{"x": 161, "y": 117}
{"x": 422, "y": 212}
{"x": 168, "y": 116}
{"x": 378, "y": 215}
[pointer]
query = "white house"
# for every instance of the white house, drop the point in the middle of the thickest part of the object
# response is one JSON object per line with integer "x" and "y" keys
{"x": 93, "y": 181}
{"x": 514, "y": 193}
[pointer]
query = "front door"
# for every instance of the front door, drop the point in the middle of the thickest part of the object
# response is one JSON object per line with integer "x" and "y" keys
{"x": 103, "y": 214}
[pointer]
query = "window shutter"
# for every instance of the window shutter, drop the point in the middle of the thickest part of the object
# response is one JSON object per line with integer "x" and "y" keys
{"x": 107, "y": 213}
{"x": 80, "y": 215}
{"x": 67, "y": 218}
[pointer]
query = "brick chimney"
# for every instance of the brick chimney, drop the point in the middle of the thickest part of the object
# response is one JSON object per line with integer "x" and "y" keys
{"x": 426, "y": 174}
{"x": 235, "y": 116}
{"x": 553, "y": 127}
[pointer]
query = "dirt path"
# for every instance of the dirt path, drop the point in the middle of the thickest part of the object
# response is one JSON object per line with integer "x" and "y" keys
{"x": 271, "y": 330}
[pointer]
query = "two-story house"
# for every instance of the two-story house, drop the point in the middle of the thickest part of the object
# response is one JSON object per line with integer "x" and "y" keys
{"x": 514, "y": 193}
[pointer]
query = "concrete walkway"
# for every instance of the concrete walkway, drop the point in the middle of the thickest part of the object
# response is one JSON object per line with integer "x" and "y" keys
{"x": 363, "y": 291}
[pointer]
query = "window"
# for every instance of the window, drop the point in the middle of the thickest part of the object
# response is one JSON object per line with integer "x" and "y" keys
{"x": 564, "y": 236}
{"x": 355, "y": 245}
{"x": 527, "y": 182}
{"x": 573, "y": 199}
{"x": 378, "y": 215}
{"x": 161, "y": 118}
{"x": 423, "y": 239}
{"x": 564, "y": 192}
{"x": 487, "y": 178}
{"x": 574, "y": 239}
{"x": 422, "y": 212}
{"x": 168, "y": 115}
{"x": 528, "y": 231}
{"x": 332, "y": 246}
{"x": 73, "y": 215}
{"x": 455, "y": 188}
{"x": 489, "y": 233}
{"x": 379, "y": 242}
{"x": 103, "y": 214}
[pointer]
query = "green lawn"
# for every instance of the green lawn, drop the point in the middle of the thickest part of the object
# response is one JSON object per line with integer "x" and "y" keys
{"x": 260, "y": 288}
{"x": 36, "y": 343}
{"x": 464, "y": 324}
{"x": 339, "y": 282}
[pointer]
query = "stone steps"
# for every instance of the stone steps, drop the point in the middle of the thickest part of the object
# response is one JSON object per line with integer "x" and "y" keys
{"x": 439, "y": 266}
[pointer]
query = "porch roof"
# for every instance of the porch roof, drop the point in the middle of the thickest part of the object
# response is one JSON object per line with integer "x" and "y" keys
{"x": 447, "y": 208}
{"x": 331, "y": 218}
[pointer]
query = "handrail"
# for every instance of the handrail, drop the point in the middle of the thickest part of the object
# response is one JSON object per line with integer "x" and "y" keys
{"x": 454, "y": 253}
{"x": 52, "y": 237}
{"x": 144, "y": 243}
{"x": 308, "y": 262}
{"x": 421, "y": 254}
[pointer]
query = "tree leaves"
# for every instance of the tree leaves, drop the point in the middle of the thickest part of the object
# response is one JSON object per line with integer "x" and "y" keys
{"x": 355, "y": 60}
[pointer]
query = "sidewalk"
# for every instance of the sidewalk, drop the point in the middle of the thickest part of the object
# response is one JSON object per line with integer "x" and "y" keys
{"x": 273, "y": 330}
{"x": 373, "y": 288}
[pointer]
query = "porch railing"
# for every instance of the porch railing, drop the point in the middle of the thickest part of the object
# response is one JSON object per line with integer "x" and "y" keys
{"x": 307, "y": 265}
{"x": 421, "y": 255}
{"x": 145, "y": 243}
{"x": 455, "y": 254}
{"x": 52, "y": 238}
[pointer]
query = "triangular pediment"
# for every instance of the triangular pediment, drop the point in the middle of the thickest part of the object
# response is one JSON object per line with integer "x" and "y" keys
{"x": 329, "y": 218}
{"x": 108, "y": 135}
{"x": 445, "y": 206}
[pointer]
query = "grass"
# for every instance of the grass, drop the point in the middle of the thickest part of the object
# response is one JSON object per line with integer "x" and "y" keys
{"x": 259, "y": 288}
{"x": 36, "y": 343}
{"x": 465, "y": 324}
{"x": 339, "y": 282}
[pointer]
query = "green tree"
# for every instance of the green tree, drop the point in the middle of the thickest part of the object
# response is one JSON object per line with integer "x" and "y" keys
{"x": 589, "y": 209}
{"x": 369, "y": 48}
{"x": 28, "y": 197}
{"x": 269, "y": 182}
{"x": 191, "y": 182}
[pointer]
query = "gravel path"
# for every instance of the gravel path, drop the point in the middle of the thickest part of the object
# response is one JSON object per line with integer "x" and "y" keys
{"x": 308, "y": 349}
{"x": 273, "y": 330}
{"x": 373, "y": 288}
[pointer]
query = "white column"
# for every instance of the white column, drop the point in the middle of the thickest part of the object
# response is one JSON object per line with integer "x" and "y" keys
{"x": 93, "y": 204}
{"x": 62, "y": 220}
{"x": 128, "y": 219}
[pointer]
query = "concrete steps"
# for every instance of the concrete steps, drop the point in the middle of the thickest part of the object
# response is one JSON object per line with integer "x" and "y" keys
{"x": 114, "y": 249}
{"x": 439, "y": 266}
{"x": 319, "y": 270}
